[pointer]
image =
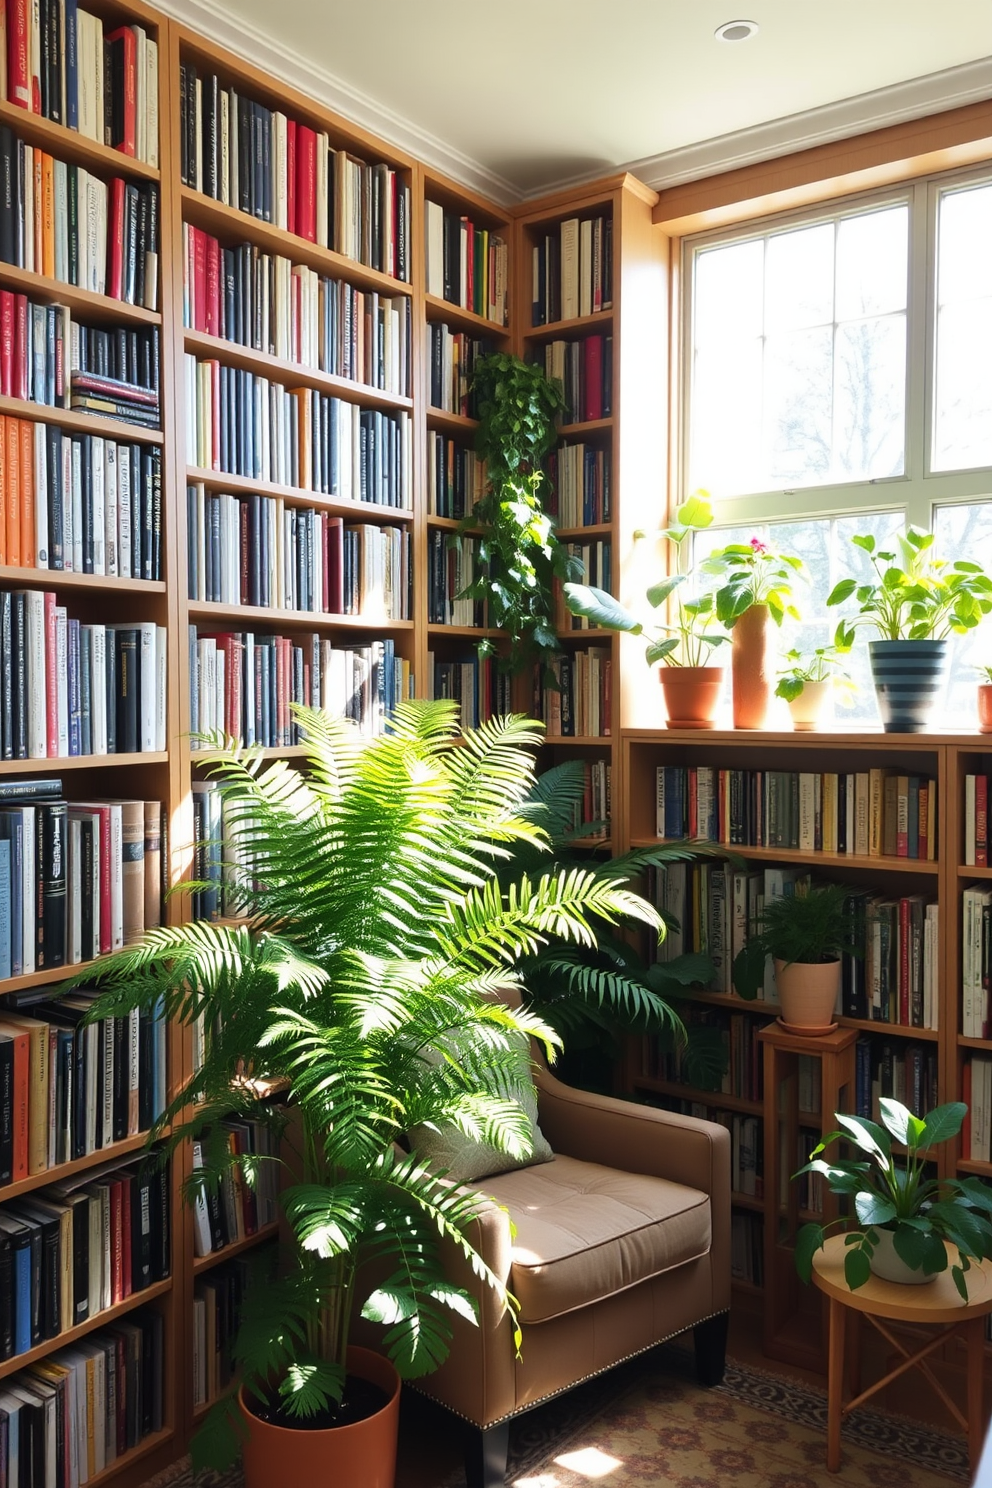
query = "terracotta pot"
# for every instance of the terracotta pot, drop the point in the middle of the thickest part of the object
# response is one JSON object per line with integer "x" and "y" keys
{"x": 890, "y": 1266}
{"x": 808, "y": 994}
{"x": 752, "y": 669}
{"x": 691, "y": 695}
{"x": 362, "y": 1455}
{"x": 809, "y": 708}
{"x": 985, "y": 708}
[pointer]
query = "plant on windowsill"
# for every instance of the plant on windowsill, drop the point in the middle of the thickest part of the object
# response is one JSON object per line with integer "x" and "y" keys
{"x": 808, "y": 684}
{"x": 903, "y": 1221}
{"x": 914, "y": 603}
{"x": 985, "y": 699}
{"x": 689, "y": 679}
{"x": 805, "y": 935}
{"x": 375, "y": 929}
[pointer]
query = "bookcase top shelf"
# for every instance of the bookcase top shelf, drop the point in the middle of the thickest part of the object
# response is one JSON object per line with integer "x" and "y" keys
{"x": 86, "y": 304}
{"x": 57, "y": 578}
{"x": 812, "y": 743}
{"x": 298, "y": 619}
{"x": 116, "y": 1151}
{"x": 926, "y": 866}
{"x": 292, "y": 374}
{"x": 81, "y": 423}
{"x": 80, "y": 762}
{"x": 598, "y": 320}
{"x": 74, "y": 148}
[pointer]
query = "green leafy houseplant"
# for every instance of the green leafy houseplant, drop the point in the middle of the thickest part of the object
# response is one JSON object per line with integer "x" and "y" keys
{"x": 366, "y": 977}
{"x": 518, "y": 558}
{"x": 921, "y": 1212}
{"x": 914, "y": 596}
{"x": 753, "y": 573}
{"x": 798, "y": 929}
{"x": 824, "y": 664}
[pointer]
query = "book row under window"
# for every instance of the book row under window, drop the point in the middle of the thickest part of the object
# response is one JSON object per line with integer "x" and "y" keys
{"x": 63, "y": 63}
{"x": 572, "y": 270}
{"x": 281, "y": 171}
{"x": 265, "y": 301}
{"x": 580, "y": 705}
{"x": 872, "y": 813}
{"x": 246, "y": 425}
{"x": 69, "y": 689}
{"x": 584, "y": 370}
{"x": 243, "y": 684}
{"x": 466, "y": 265}
{"x": 61, "y": 221}
{"x": 452, "y": 357}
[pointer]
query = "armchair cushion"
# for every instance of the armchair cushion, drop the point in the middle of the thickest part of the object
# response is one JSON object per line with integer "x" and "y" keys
{"x": 585, "y": 1232}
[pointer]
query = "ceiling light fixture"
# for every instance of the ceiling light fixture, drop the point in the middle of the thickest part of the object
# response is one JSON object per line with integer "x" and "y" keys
{"x": 736, "y": 31}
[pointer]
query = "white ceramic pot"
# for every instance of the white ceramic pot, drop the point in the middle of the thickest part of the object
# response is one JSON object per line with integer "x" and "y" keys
{"x": 810, "y": 708}
{"x": 890, "y": 1266}
{"x": 808, "y": 994}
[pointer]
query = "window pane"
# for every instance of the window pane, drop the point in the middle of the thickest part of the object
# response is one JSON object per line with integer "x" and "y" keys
{"x": 965, "y": 532}
{"x": 963, "y": 394}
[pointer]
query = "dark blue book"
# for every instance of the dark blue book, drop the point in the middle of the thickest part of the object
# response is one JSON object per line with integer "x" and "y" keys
{"x": 71, "y": 65}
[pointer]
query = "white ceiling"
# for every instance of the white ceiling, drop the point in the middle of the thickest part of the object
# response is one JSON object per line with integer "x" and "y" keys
{"x": 526, "y": 94}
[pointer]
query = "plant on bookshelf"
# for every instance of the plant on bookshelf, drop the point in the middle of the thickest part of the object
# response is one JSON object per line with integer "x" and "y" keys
{"x": 806, "y": 935}
{"x": 902, "y": 1217}
{"x": 375, "y": 927}
{"x": 808, "y": 684}
{"x": 756, "y": 587}
{"x": 985, "y": 700}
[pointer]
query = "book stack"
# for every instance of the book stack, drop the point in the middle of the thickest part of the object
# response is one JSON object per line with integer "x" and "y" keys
{"x": 78, "y": 502}
{"x": 243, "y": 684}
{"x": 450, "y": 568}
{"x": 976, "y": 961}
{"x": 584, "y": 370}
{"x": 69, "y": 1417}
{"x": 572, "y": 270}
{"x": 477, "y": 684}
{"x": 596, "y": 568}
{"x": 873, "y": 813}
{"x": 906, "y": 1072}
{"x": 451, "y": 360}
{"x": 72, "y": 689}
{"x": 229, "y": 1209}
{"x": 246, "y": 425}
{"x": 287, "y": 310}
{"x": 976, "y": 821}
{"x": 62, "y": 63}
{"x": 217, "y": 1303}
{"x": 579, "y": 485}
{"x": 116, "y": 373}
{"x": 456, "y": 477}
{"x": 580, "y": 705}
{"x": 466, "y": 265}
{"x": 61, "y": 221}
{"x": 281, "y": 171}
{"x": 256, "y": 550}
{"x": 77, "y": 879}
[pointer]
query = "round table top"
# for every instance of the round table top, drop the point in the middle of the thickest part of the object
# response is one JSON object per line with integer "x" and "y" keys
{"x": 936, "y": 1301}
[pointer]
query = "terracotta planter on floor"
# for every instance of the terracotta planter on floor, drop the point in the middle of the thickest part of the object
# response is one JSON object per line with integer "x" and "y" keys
{"x": 808, "y": 994}
{"x": 752, "y": 668}
{"x": 985, "y": 708}
{"x": 691, "y": 695}
{"x": 362, "y": 1455}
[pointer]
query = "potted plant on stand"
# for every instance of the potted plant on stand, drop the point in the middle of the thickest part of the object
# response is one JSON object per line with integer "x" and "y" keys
{"x": 902, "y": 1220}
{"x": 756, "y": 587}
{"x": 689, "y": 679}
{"x": 805, "y": 935}
{"x": 365, "y": 979}
{"x": 808, "y": 684}
{"x": 914, "y": 603}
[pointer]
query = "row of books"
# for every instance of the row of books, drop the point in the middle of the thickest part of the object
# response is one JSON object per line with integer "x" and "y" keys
{"x": 265, "y": 301}
{"x": 229, "y": 1209}
{"x": 872, "y": 813}
{"x": 61, "y": 221}
{"x": 69, "y": 1417}
{"x": 47, "y": 357}
{"x": 466, "y": 265}
{"x": 217, "y": 1303}
{"x": 596, "y": 806}
{"x": 584, "y": 369}
{"x": 281, "y": 171}
{"x": 456, "y": 476}
{"x": 579, "y": 485}
{"x": 572, "y": 270}
{"x": 452, "y": 357}
{"x": 976, "y": 961}
{"x": 244, "y": 683}
{"x": 976, "y": 1092}
{"x": 450, "y": 568}
{"x": 595, "y": 560}
{"x": 976, "y": 821}
{"x": 61, "y": 62}
{"x": 736, "y": 1032}
{"x": 69, "y": 689}
{"x": 243, "y": 424}
{"x": 77, "y": 879}
{"x": 906, "y": 1072}
{"x": 477, "y": 684}
{"x": 256, "y": 550}
{"x": 580, "y": 703}
{"x": 79, "y": 502}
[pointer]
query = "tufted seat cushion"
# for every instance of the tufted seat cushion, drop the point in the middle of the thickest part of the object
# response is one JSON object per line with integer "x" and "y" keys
{"x": 585, "y": 1232}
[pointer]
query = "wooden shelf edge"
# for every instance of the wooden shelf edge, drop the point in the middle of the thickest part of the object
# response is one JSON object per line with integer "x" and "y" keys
{"x": 145, "y": 1447}
{"x": 81, "y": 762}
{"x": 116, "y": 1151}
{"x": 80, "y": 422}
{"x": 91, "y": 1325}
{"x": 279, "y": 369}
{"x": 439, "y": 310}
{"x": 928, "y": 867}
{"x": 319, "y": 619}
{"x": 60, "y": 578}
{"x": 220, "y": 480}
{"x": 203, "y": 1264}
{"x": 84, "y": 301}
{"x": 66, "y": 143}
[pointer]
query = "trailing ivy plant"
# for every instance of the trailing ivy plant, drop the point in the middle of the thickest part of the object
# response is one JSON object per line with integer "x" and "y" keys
{"x": 517, "y": 557}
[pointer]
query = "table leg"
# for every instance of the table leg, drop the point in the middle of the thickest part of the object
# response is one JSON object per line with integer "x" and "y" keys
{"x": 975, "y": 1330}
{"x": 854, "y": 1353}
{"x": 835, "y": 1382}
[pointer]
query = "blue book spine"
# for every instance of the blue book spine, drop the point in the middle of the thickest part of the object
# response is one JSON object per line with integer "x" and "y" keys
{"x": 5, "y": 964}
{"x": 22, "y": 1299}
{"x": 674, "y": 797}
{"x": 71, "y": 66}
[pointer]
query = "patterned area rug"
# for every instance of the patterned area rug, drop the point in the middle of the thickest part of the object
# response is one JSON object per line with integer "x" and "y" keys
{"x": 649, "y": 1423}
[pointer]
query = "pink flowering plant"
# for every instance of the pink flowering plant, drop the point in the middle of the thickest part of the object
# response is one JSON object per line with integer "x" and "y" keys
{"x": 753, "y": 573}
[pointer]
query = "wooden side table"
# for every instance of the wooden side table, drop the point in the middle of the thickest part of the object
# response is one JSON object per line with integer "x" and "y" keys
{"x": 935, "y": 1303}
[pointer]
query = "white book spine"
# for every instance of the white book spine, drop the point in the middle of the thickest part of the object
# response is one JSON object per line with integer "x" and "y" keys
{"x": 111, "y": 517}
{"x": 34, "y": 625}
{"x": 62, "y": 679}
{"x": 148, "y": 681}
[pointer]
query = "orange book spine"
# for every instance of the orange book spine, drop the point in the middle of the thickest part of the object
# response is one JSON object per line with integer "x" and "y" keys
{"x": 3, "y": 490}
{"x": 37, "y": 177}
{"x": 26, "y": 483}
{"x": 12, "y": 462}
{"x": 48, "y": 216}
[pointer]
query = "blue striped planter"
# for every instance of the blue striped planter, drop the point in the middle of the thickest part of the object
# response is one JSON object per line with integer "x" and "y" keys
{"x": 908, "y": 677}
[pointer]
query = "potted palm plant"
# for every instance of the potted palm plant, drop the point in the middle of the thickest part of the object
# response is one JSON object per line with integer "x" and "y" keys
{"x": 914, "y": 603}
{"x": 686, "y": 641}
{"x": 805, "y": 935}
{"x": 808, "y": 684}
{"x": 364, "y": 978}
{"x": 903, "y": 1219}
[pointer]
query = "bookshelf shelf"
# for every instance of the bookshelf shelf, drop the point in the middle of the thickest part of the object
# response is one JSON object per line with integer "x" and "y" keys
{"x": 590, "y": 426}
{"x": 598, "y": 320}
{"x": 451, "y": 524}
{"x": 287, "y": 751}
{"x": 81, "y": 423}
{"x": 747, "y": 1201}
{"x": 99, "y": 1320}
{"x": 236, "y": 1248}
{"x": 715, "y": 1099}
{"x": 890, "y": 1030}
{"x": 365, "y": 511}
{"x": 84, "y": 303}
{"x": 128, "y": 1460}
{"x": 577, "y": 534}
{"x": 480, "y": 632}
{"x": 58, "y": 578}
{"x": 80, "y": 762}
{"x": 967, "y": 1042}
{"x": 77, "y": 149}
{"x": 598, "y": 741}
{"x": 965, "y": 872}
{"x": 292, "y": 374}
{"x": 438, "y": 310}
{"x": 451, "y": 423}
{"x": 976, "y": 1166}
{"x": 115, "y": 1152}
{"x": 298, "y": 619}
{"x": 927, "y": 867}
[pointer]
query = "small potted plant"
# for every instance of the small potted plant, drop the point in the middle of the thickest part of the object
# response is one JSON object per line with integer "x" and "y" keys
{"x": 914, "y": 603}
{"x": 805, "y": 935}
{"x": 808, "y": 683}
{"x": 690, "y": 681}
{"x": 902, "y": 1219}
{"x": 757, "y": 586}
{"x": 985, "y": 700}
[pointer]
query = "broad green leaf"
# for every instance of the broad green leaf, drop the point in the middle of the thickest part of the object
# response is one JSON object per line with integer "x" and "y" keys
{"x": 872, "y": 1209}
{"x": 943, "y": 1122}
{"x": 868, "y": 1135}
{"x": 857, "y": 1267}
{"x": 901, "y": 1123}
{"x": 601, "y": 608}
{"x": 659, "y": 592}
{"x": 808, "y": 1241}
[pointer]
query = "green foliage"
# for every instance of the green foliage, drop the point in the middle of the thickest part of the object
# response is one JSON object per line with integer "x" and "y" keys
{"x": 809, "y": 928}
{"x": 985, "y": 672}
{"x": 376, "y": 932}
{"x": 922, "y": 1213}
{"x": 915, "y": 596}
{"x": 821, "y": 665}
{"x": 753, "y": 574}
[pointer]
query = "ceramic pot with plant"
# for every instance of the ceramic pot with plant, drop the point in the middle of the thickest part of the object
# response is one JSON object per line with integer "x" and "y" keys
{"x": 805, "y": 935}
{"x": 913, "y": 603}
{"x": 756, "y": 588}
{"x": 985, "y": 700}
{"x": 686, "y": 642}
{"x": 903, "y": 1221}
{"x": 807, "y": 684}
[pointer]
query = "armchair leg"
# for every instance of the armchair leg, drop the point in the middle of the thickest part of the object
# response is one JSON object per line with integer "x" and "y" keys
{"x": 710, "y": 1339}
{"x": 486, "y": 1452}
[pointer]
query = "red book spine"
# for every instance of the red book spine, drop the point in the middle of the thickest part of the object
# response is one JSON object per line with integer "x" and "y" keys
{"x": 306, "y": 183}
{"x": 592, "y": 352}
{"x": 981, "y": 821}
{"x": 20, "y": 367}
{"x": 245, "y": 527}
{"x": 115, "y": 240}
{"x": 236, "y": 666}
{"x": 693, "y": 803}
{"x": 924, "y": 846}
{"x": 199, "y": 316}
{"x": 7, "y": 343}
{"x": 126, "y": 38}
{"x": 282, "y": 713}
{"x": 212, "y": 307}
{"x": 606, "y": 707}
{"x": 116, "y": 1244}
{"x": 904, "y": 935}
{"x": 127, "y": 1280}
{"x": 18, "y": 54}
{"x": 51, "y": 678}
{"x": 291, "y": 128}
